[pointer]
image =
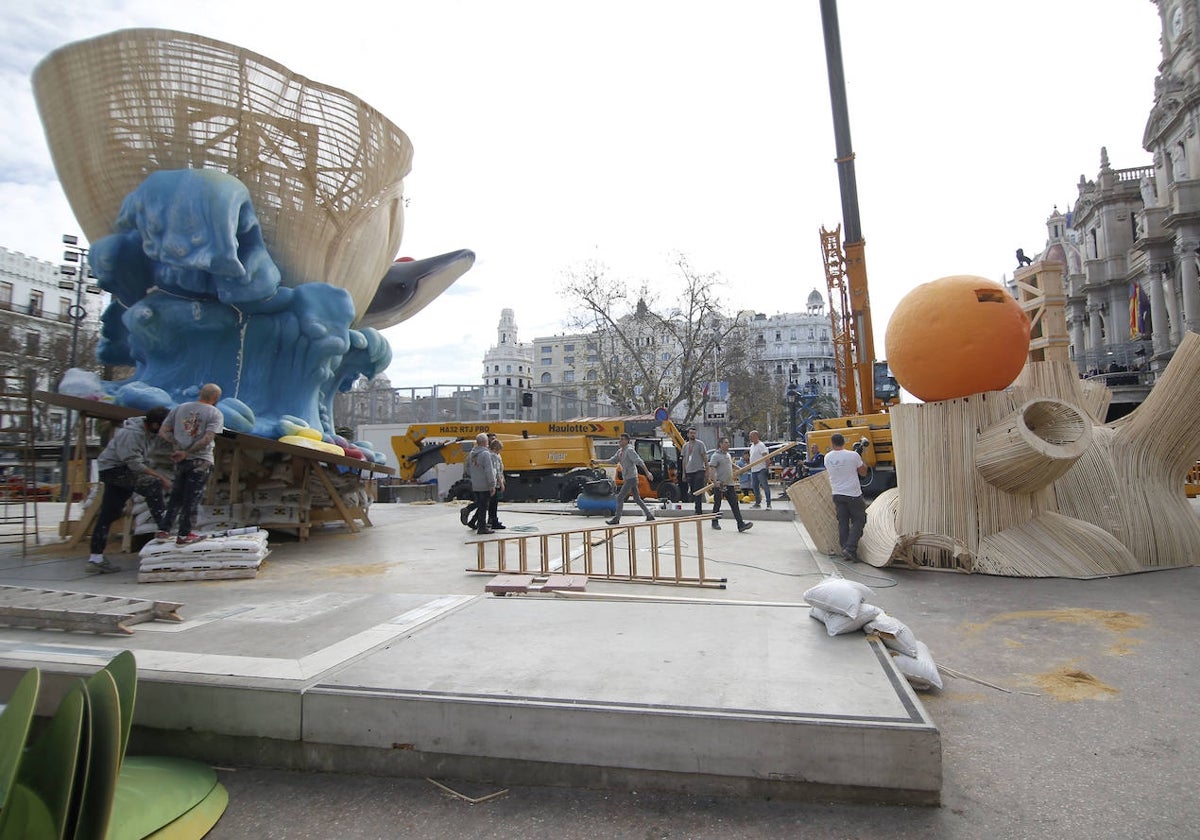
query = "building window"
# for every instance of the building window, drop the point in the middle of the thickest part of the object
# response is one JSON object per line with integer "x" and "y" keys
{"x": 6, "y": 290}
{"x": 508, "y": 368}
{"x": 547, "y": 349}
{"x": 569, "y": 376}
{"x": 591, "y": 376}
{"x": 35, "y": 303}
{"x": 568, "y": 348}
{"x": 33, "y": 342}
{"x": 547, "y": 362}
{"x": 546, "y": 378}
{"x": 497, "y": 369}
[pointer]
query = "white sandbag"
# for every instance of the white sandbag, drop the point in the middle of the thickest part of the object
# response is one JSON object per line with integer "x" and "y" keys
{"x": 241, "y": 544}
{"x": 920, "y": 670}
{"x": 894, "y": 632}
{"x": 838, "y": 595}
{"x": 837, "y": 624}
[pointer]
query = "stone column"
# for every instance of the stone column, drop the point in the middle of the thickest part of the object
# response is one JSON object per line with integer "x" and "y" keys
{"x": 1171, "y": 304}
{"x": 1158, "y": 307}
{"x": 1075, "y": 327}
{"x": 1118, "y": 308}
{"x": 1095, "y": 329}
{"x": 1186, "y": 249}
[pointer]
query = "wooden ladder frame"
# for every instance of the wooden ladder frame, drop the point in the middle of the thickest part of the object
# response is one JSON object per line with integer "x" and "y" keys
{"x": 534, "y": 555}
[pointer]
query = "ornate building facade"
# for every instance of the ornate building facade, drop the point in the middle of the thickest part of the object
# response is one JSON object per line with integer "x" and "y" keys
{"x": 559, "y": 376}
{"x": 36, "y": 326}
{"x": 1131, "y": 245}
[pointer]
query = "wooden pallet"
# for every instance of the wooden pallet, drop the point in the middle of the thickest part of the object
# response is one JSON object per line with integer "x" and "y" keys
{"x": 165, "y": 575}
{"x": 22, "y": 606}
{"x": 524, "y": 584}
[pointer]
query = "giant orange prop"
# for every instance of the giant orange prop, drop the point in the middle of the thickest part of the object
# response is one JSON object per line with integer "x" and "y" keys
{"x": 957, "y": 336}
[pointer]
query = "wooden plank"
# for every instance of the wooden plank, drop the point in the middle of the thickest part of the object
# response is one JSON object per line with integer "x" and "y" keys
{"x": 503, "y": 584}
{"x": 337, "y": 500}
{"x": 71, "y": 619}
{"x": 31, "y": 607}
{"x": 199, "y": 574}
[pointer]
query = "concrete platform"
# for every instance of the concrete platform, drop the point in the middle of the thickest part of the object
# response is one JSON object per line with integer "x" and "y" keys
{"x": 376, "y": 653}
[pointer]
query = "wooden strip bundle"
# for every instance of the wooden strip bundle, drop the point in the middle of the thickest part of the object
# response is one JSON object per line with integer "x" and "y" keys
{"x": 1152, "y": 451}
{"x": 813, "y": 502}
{"x": 1061, "y": 381}
{"x": 934, "y": 445}
{"x": 1033, "y": 446}
{"x": 1054, "y": 546}
{"x": 880, "y": 544}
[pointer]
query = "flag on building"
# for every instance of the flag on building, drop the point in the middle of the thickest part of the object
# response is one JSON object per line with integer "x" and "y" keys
{"x": 1139, "y": 311}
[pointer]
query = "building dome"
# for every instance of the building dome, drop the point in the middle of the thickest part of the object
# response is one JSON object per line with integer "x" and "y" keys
{"x": 1055, "y": 253}
{"x": 815, "y": 298}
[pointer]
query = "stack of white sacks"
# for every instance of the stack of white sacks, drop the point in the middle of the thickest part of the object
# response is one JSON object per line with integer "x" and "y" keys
{"x": 242, "y": 549}
{"x": 841, "y": 605}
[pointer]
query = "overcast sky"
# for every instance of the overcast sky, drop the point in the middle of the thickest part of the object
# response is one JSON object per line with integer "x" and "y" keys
{"x": 551, "y": 133}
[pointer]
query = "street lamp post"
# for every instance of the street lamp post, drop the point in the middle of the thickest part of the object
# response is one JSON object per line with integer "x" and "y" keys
{"x": 73, "y": 278}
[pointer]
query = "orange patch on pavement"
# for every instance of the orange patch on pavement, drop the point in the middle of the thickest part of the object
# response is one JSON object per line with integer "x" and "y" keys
{"x": 1070, "y": 684}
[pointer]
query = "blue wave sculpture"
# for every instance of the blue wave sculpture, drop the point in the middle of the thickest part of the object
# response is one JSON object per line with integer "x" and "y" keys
{"x": 197, "y": 298}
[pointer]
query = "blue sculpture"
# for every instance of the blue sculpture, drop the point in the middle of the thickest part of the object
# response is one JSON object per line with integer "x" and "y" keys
{"x": 197, "y": 298}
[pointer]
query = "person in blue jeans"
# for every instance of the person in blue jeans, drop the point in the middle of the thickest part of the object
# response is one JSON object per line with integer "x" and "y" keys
{"x": 760, "y": 473}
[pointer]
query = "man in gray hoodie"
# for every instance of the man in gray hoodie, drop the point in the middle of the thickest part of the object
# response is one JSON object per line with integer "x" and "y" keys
{"x": 126, "y": 467}
{"x": 481, "y": 469}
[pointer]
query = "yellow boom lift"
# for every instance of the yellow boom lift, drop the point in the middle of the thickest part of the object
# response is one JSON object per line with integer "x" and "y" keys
{"x": 542, "y": 460}
{"x": 864, "y": 386}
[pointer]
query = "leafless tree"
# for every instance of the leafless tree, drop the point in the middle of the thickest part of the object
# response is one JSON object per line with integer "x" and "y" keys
{"x": 656, "y": 345}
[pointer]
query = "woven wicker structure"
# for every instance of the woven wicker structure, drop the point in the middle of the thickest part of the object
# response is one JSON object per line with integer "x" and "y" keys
{"x": 323, "y": 168}
{"x": 1031, "y": 485}
{"x": 1027, "y": 483}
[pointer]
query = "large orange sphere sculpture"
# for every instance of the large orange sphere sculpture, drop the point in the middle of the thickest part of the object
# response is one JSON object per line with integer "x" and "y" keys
{"x": 957, "y": 336}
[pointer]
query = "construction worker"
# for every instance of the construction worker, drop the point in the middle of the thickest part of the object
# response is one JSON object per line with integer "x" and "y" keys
{"x": 631, "y": 465}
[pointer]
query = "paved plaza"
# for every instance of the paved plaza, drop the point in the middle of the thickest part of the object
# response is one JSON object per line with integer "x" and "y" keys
{"x": 1086, "y": 727}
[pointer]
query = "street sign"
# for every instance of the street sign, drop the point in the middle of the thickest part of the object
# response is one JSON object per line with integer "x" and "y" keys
{"x": 716, "y": 411}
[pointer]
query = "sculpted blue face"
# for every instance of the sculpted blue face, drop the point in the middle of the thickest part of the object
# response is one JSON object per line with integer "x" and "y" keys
{"x": 197, "y": 298}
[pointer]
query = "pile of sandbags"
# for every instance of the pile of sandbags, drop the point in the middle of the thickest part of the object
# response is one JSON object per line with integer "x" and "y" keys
{"x": 231, "y": 554}
{"x": 841, "y": 605}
